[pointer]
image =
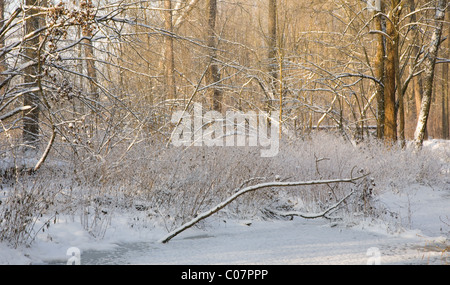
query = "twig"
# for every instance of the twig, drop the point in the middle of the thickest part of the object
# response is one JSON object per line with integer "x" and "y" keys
{"x": 189, "y": 102}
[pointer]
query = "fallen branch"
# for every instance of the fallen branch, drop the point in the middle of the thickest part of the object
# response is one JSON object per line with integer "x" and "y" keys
{"x": 312, "y": 216}
{"x": 252, "y": 188}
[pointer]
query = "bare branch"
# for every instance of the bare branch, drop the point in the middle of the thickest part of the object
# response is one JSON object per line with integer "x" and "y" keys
{"x": 248, "y": 189}
{"x": 312, "y": 216}
{"x": 15, "y": 111}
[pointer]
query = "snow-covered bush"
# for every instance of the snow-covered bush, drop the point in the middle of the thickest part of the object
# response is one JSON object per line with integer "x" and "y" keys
{"x": 26, "y": 202}
{"x": 168, "y": 186}
{"x": 176, "y": 184}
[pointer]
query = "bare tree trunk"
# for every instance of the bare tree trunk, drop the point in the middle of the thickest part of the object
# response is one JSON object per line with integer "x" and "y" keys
{"x": 445, "y": 87}
{"x": 399, "y": 88}
{"x": 168, "y": 52}
{"x": 429, "y": 65}
{"x": 2, "y": 44}
{"x": 418, "y": 91}
{"x": 213, "y": 76}
{"x": 417, "y": 81}
{"x": 30, "y": 134}
{"x": 379, "y": 73}
{"x": 148, "y": 95}
{"x": 272, "y": 53}
{"x": 89, "y": 55}
{"x": 90, "y": 62}
{"x": 390, "y": 127}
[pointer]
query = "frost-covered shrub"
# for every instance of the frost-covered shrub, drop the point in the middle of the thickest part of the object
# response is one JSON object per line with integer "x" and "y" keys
{"x": 168, "y": 186}
{"x": 179, "y": 184}
{"x": 26, "y": 203}
{"x": 397, "y": 168}
{"x": 174, "y": 184}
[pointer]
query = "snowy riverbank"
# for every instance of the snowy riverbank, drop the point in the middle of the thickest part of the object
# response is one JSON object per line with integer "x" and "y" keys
{"x": 417, "y": 232}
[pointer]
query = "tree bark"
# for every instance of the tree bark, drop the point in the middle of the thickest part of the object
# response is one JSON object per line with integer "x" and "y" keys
{"x": 399, "y": 88}
{"x": 379, "y": 73}
{"x": 89, "y": 58}
{"x": 272, "y": 52}
{"x": 89, "y": 53}
{"x": 2, "y": 44}
{"x": 90, "y": 63}
{"x": 213, "y": 75}
{"x": 417, "y": 81}
{"x": 429, "y": 69}
{"x": 390, "y": 127}
{"x": 30, "y": 134}
{"x": 445, "y": 86}
{"x": 168, "y": 52}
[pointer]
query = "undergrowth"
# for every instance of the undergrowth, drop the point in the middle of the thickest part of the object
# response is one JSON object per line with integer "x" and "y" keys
{"x": 167, "y": 186}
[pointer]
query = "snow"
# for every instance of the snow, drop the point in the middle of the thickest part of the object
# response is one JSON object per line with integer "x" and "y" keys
{"x": 298, "y": 241}
{"x": 417, "y": 231}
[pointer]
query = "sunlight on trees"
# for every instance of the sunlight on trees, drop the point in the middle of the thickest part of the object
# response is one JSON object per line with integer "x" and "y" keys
{"x": 86, "y": 80}
{"x": 100, "y": 72}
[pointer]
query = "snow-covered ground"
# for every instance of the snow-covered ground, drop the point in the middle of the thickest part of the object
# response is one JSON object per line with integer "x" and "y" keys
{"x": 262, "y": 242}
{"x": 417, "y": 233}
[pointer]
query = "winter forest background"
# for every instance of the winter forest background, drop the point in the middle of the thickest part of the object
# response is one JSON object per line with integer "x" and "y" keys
{"x": 88, "y": 89}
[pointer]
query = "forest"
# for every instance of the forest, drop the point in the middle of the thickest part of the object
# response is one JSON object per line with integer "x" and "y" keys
{"x": 89, "y": 89}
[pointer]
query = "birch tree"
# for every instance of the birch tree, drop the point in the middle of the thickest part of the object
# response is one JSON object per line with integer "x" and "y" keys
{"x": 417, "y": 89}
{"x": 429, "y": 69}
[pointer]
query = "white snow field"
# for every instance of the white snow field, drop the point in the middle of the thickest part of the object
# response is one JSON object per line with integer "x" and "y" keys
{"x": 419, "y": 234}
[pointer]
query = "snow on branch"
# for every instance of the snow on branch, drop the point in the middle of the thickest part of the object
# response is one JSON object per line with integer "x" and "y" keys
{"x": 252, "y": 188}
{"x": 312, "y": 216}
{"x": 13, "y": 112}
